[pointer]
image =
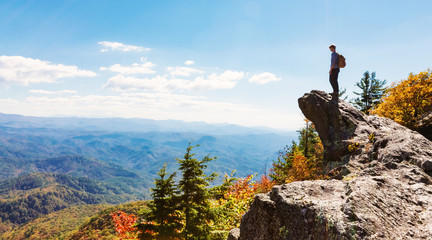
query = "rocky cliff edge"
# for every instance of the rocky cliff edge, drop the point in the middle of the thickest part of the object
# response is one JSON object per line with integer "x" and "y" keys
{"x": 381, "y": 186}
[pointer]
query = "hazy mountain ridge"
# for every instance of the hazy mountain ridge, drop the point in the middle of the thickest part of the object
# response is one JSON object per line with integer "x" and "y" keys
{"x": 129, "y": 125}
{"x": 25, "y": 149}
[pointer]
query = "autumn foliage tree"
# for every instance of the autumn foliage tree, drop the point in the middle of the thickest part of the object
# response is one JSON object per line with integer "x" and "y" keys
{"x": 124, "y": 224}
{"x": 408, "y": 99}
{"x": 300, "y": 161}
{"x": 237, "y": 200}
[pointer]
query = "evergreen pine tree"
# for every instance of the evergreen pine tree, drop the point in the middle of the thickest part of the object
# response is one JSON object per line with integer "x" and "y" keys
{"x": 195, "y": 197}
{"x": 372, "y": 90}
{"x": 162, "y": 220}
{"x": 308, "y": 139}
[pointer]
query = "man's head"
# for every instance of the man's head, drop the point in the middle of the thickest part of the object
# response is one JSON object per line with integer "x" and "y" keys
{"x": 332, "y": 47}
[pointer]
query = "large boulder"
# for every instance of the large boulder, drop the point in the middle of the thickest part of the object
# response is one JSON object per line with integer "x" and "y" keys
{"x": 384, "y": 190}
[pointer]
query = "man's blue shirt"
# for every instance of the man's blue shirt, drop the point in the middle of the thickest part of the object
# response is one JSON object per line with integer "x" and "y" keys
{"x": 334, "y": 60}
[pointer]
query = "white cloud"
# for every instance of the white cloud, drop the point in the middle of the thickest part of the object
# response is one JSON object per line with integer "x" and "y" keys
{"x": 264, "y": 78}
{"x": 122, "y": 83}
{"x": 226, "y": 80}
{"x": 46, "y": 92}
{"x": 183, "y": 71}
{"x": 24, "y": 71}
{"x": 189, "y": 62}
{"x": 165, "y": 83}
{"x": 135, "y": 68}
{"x": 117, "y": 46}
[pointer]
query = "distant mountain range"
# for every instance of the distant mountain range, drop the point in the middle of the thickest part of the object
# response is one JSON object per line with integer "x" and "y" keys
{"x": 137, "y": 146}
{"x": 129, "y": 152}
{"x": 130, "y": 125}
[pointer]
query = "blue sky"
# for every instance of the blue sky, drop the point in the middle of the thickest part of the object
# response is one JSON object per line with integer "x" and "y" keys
{"x": 241, "y": 62}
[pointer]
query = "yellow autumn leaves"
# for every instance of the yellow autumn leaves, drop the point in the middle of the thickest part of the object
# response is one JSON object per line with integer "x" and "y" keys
{"x": 407, "y": 99}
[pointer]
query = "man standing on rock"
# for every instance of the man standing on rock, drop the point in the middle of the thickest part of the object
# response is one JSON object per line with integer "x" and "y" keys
{"x": 334, "y": 70}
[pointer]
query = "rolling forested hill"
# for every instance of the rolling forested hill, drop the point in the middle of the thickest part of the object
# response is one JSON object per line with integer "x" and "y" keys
{"x": 54, "y": 226}
{"x": 27, "y": 197}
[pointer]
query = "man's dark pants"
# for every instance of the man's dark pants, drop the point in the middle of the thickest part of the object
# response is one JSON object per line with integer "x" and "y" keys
{"x": 334, "y": 80}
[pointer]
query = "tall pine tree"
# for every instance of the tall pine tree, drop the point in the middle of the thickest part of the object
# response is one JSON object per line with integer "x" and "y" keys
{"x": 372, "y": 90}
{"x": 195, "y": 196}
{"x": 162, "y": 220}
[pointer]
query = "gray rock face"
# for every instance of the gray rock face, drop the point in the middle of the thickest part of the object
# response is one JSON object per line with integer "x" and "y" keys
{"x": 424, "y": 125}
{"x": 384, "y": 190}
{"x": 340, "y": 125}
{"x": 334, "y": 120}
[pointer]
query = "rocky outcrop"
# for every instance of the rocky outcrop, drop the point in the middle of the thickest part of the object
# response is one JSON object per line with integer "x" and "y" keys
{"x": 383, "y": 189}
{"x": 340, "y": 126}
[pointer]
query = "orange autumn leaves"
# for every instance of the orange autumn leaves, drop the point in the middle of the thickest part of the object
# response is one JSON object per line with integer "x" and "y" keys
{"x": 294, "y": 166}
{"x": 236, "y": 201}
{"x": 124, "y": 225}
{"x": 303, "y": 160}
{"x": 245, "y": 187}
{"x": 304, "y": 169}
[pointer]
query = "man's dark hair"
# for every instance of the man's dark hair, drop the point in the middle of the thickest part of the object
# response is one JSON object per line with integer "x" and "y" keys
{"x": 332, "y": 46}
